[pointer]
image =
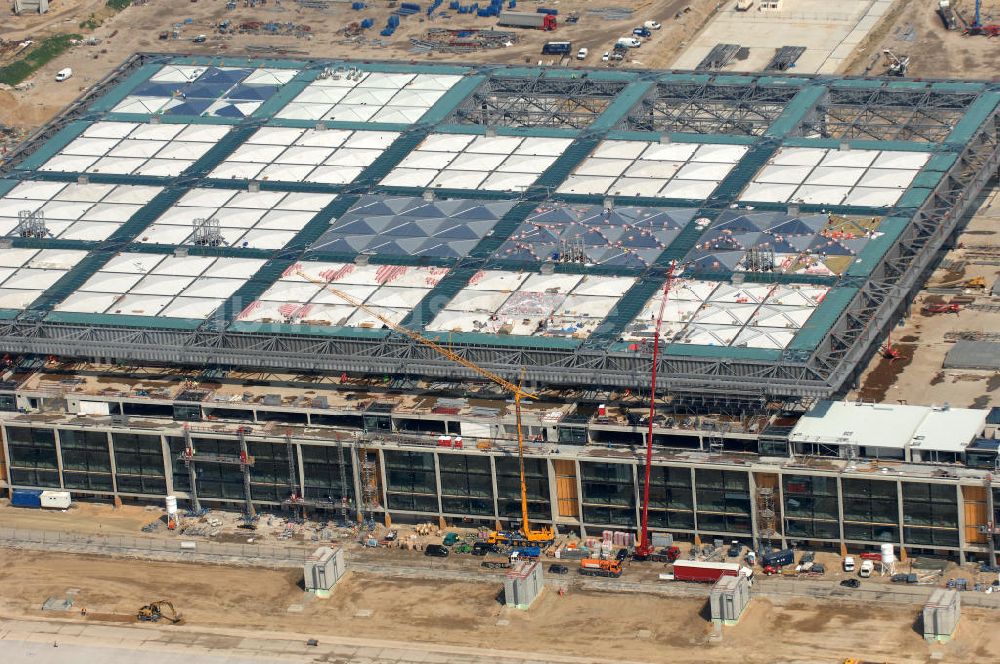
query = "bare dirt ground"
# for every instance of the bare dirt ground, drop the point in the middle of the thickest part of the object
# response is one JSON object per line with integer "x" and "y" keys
{"x": 138, "y": 27}
{"x": 925, "y": 340}
{"x": 933, "y": 50}
{"x": 599, "y": 625}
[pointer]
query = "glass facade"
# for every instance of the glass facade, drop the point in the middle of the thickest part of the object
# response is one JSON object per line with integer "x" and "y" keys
{"x": 723, "y": 501}
{"x": 536, "y": 480}
{"x": 466, "y": 484}
{"x": 871, "y": 510}
{"x": 321, "y": 473}
{"x": 139, "y": 463}
{"x": 930, "y": 514}
{"x": 32, "y": 457}
{"x": 269, "y": 476}
{"x": 671, "y": 503}
{"x": 608, "y": 494}
{"x": 811, "y": 507}
{"x": 86, "y": 460}
{"x": 410, "y": 481}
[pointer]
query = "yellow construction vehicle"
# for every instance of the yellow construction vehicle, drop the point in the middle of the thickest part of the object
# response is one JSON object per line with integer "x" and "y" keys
{"x": 976, "y": 282}
{"x": 153, "y": 611}
{"x": 541, "y": 536}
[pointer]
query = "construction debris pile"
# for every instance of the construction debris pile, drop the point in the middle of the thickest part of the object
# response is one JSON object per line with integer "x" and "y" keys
{"x": 442, "y": 40}
{"x": 274, "y": 29}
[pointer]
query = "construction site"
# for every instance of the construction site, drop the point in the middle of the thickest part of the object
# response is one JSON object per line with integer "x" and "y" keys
{"x": 380, "y": 331}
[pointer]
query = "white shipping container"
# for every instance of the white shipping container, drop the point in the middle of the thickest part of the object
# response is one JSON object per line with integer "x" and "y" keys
{"x": 57, "y": 500}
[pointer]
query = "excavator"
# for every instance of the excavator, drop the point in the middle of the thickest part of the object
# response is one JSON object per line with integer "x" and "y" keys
{"x": 153, "y": 611}
{"x": 527, "y": 535}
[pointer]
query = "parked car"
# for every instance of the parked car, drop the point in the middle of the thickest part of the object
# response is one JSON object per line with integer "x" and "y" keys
{"x": 850, "y": 583}
{"x": 481, "y": 548}
{"x": 652, "y": 25}
{"x": 867, "y": 567}
{"x": 621, "y": 555}
{"x": 582, "y": 54}
{"x": 734, "y": 549}
{"x": 450, "y": 539}
{"x": 436, "y": 550}
{"x": 849, "y": 563}
{"x": 558, "y": 569}
{"x": 817, "y": 568}
{"x": 64, "y": 74}
{"x": 606, "y": 56}
{"x": 200, "y": 39}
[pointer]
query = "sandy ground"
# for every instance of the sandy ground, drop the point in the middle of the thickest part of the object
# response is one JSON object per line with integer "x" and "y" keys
{"x": 598, "y": 625}
{"x": 933, "y": 50}
{"x": 924, "y": 340}
{"x": 137, "y": 29}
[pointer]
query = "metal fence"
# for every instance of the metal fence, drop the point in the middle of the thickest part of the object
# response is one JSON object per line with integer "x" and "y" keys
{"x": 151, "y": 547}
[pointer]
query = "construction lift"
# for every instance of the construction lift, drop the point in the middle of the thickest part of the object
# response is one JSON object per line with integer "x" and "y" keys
{"x": 243, "y": 460}
{"x": 541, "y": 536}
{"x": 645, "y": 550}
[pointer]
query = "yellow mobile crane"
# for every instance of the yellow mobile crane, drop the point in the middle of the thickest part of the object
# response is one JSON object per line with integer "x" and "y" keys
{"x": 541, "y": 536}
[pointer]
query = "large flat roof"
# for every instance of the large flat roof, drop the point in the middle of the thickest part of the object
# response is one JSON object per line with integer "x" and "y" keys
{"x": 525, "y": 215}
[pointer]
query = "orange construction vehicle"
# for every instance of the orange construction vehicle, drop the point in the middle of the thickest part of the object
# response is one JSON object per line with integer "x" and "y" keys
{"x": 597, "y": 567}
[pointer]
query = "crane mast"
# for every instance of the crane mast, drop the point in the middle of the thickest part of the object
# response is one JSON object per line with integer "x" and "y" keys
{"x": 544, "y": 534}
{"x": 645, "y": 546}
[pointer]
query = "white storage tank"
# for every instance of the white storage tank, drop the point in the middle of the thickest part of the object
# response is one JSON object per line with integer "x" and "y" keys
{"x": 57, "y": 500}
{"x": 888, "y": 555}
{"x": 171, "y": 505}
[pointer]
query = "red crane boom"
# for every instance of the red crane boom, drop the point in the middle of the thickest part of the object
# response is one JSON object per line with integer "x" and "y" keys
{"x": 645, "y": 546}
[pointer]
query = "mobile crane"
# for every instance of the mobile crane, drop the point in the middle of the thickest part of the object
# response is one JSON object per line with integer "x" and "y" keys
{"x": 644, "y": 549}
{"x": 542, "y": 536}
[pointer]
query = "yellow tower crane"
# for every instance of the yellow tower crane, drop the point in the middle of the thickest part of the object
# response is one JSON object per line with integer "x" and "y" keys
{"x": 543, "y": 535}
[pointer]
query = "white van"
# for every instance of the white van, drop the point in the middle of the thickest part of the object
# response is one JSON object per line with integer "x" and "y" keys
{"x": 582, "y": 54}
{"x": 628, "y": 42}
{"x": 867, "y": 567}
{"x": 652, "y": 25}
{"x": 849, "y": 563}
{"x": 63, "y": 74}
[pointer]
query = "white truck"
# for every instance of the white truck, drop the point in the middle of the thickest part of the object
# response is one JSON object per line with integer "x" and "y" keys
{"x": 628, "y": 42}
{"x": 867, "y": 567}
{"x": 849, "y": 563}
{"x": 64, "y": 74}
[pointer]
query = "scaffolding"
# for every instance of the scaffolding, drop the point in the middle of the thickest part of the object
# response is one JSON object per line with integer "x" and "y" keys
{"x": 765, "y": 517}
{"x": 343, "y": 484}
{"x": 190, "y": 458}
{"x": 31, "y": 224}
{"x": 207, "y": 233}
{"x": 369, "y": 488}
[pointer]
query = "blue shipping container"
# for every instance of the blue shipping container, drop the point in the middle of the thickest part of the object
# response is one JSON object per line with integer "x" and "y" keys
{"x": 26, "y": 498}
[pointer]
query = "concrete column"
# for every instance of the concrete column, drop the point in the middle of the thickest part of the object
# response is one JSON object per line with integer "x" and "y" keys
{"x": 437, "y": 484}
{"x": 754, "y": 528}
{"x": 579, "y": 497}
{"x": 352, "y": 452}
{"x": 899, "y": 500}
{"x": 496, "y": 491}
{"x": 694, "y": 506}
{"x": 961, "y": 524}
{"x": 383, "y": 485}
{"x": 300, "y": 464}
{"x": 840, "y": 513}
{"x": 6, "y": 460}
{"x": 553, "y": 494}
{"x": 114, "y": 466}
{"x": 637, "y": 494}
{"x": 168, "y": 465}
{"x": 59, "y": 463}
{"x": 991, "y": 520}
